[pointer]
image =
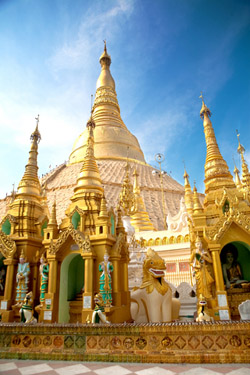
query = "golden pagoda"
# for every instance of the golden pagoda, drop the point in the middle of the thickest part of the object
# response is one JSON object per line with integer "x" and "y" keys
{"x": 23, "y": 229}
{"x": 218, "y": 228}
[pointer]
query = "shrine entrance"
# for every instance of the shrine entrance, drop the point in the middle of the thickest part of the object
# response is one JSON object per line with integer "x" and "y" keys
{"x": 71, "y": 286}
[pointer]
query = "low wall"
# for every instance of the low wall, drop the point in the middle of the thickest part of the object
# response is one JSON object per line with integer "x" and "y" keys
{"x": 218, "y": 342}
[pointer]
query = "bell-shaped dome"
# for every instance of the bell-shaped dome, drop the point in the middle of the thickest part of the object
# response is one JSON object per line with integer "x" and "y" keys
{"x": 112, "y": 138}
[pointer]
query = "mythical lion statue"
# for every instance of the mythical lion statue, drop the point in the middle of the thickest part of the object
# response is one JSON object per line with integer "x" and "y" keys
{"x": 98, "y": 315}
{"x": 152, "y": 301}
{"x": 26, "y": 311}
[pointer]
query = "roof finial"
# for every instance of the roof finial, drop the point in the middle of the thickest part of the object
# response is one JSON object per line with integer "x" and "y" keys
{"x": 37, "y": 120}
{"x": 240, "y": 148}
{"x": 204, "y": 108}
{"x": 202, "y": 97}
{"x": 36, "y": 134}
{"x": 105, "y": 47}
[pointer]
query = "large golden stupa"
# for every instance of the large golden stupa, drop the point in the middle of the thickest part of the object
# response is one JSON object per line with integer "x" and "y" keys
{"x": 115, "y": 146}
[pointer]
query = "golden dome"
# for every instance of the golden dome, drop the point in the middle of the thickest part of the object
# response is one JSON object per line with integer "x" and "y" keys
{"x": 112, "y": 138}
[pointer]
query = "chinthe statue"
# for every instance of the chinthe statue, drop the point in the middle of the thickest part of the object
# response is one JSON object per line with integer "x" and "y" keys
{"x": 203, "y": 315}
{"x": 98, "y": 315}
{"x": 22, "y": 279}
{"x": 106, "y": 268}
{"x": 152, "y": 301}
{"x": 26, "y": 311}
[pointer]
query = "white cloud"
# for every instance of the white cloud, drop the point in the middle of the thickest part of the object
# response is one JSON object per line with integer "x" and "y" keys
{"x": 96, "y": 25}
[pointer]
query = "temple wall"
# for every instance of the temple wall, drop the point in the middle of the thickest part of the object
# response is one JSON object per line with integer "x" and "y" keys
{"x": 219, "y": 342}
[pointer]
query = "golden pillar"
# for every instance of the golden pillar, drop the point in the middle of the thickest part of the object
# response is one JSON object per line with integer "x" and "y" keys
{"x": 52, "y": 274}
{"x": 10, "y": 281}
{"x": 88, "y": 273}
{"x": 219, "y": 283}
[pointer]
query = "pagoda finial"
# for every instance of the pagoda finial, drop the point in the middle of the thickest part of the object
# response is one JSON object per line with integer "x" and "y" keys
{"x": 126, "y": 198}
{"x": 140, "y": 219}
{"x": 237, "y": 176}
{"x": 188, "y": 193}
{"x": 240, "y": 148}
{"x": 244, "y": 166}
{"x": 89, "y": 179}
{"x": 52, "y": 220}
{"x": 197, "y": 204}
{"x": 29, "y": 183}
{"x": 204, "y": 108}
{"x": 216, "y": 169}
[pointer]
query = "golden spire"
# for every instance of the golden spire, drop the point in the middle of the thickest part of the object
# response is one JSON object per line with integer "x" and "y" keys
{"x": 197, "y": 204}
{"x": 237, "y": 176}
{"x": 140, "y": 218}
{"x": 29, "y": 184}
{"x": 216, "y": 169}
{"x": 245, "y": 172}
{"x": 111, "y": 134}
{"x": 119, "y": 226}
{"x": 103, "y": 211}
{"x": 105, "y": 78}
{"x": 188, "y": 194}
{"x": 89, "y": 179}
{"x": 52, "y": 220}
{"x": 126, "y": 199}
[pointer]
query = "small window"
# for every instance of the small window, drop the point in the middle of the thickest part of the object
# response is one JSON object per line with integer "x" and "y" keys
{"x": 75, "y": 219}
{"x": 6, "y": 227}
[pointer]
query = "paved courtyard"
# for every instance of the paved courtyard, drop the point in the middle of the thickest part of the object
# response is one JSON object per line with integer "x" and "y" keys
{"x": 26, "y": 367}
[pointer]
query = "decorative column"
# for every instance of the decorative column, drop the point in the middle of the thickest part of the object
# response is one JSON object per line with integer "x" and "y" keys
{"x": 221, "y": 309}
{"x": 5, "y": 308}
{"x": 51, "y": 303}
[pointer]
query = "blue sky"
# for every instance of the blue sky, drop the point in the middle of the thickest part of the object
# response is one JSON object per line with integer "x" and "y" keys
{"x": 164, "y": 52}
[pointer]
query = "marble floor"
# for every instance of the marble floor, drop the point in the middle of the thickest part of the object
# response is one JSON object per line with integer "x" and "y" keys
{"x": 21, "y": 367}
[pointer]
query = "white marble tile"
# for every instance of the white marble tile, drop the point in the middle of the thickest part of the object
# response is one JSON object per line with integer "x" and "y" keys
{"x": 113, "y": 370}
{"x": 200, "y": 371}
{"x": 7, "y": 366}
{"x": 155, "y": 371}
{"x": 72, "y": 370}
{"x": 240, "y": 371}
{"x": 34, "y": 369}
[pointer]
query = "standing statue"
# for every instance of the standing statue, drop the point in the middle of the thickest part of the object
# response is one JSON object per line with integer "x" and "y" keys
{"x": 106, "y": 268}
{"x": 200, "y": 261}
{"x": 44, "y": 274}
{"x": 22, "y": 278}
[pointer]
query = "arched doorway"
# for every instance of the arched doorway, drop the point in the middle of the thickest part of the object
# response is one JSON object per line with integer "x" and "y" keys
{"x": 71, "y": 284}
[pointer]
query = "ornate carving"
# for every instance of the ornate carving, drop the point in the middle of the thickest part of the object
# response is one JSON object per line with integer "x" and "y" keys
{"x": 11, "y": 218}
{"x": 218, "y": 230}
{"x": 7, "y": 245}
{"x": 121, "y": 240}
{"x": 227, "y": 196}
{"x": 79, "y": 238}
